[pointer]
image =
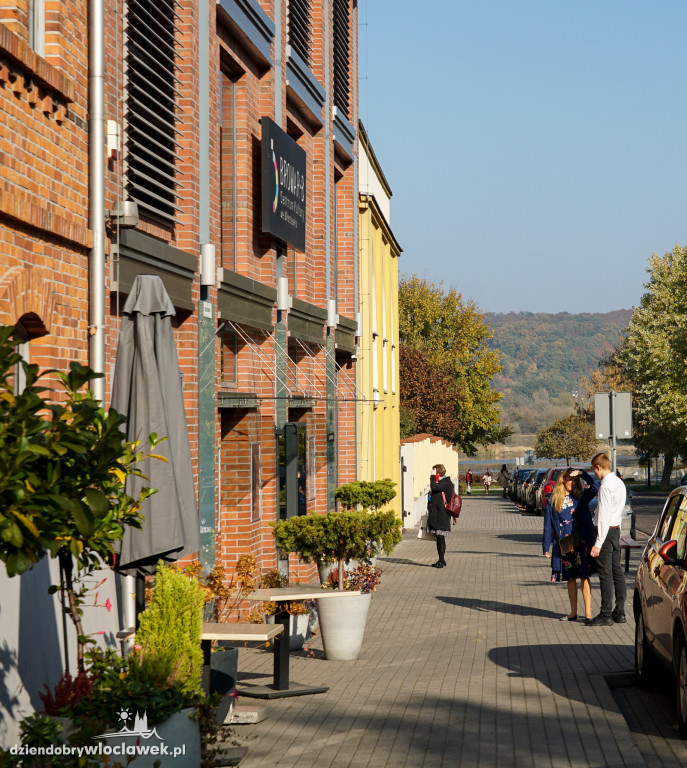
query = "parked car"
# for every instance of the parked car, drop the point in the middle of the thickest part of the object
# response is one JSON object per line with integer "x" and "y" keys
{"x": 531, "y": 496}
{"x": 660, "y": 602}
{"x": 516, "y": 479}
{"x": 524, "y": 486}
{"x": 546, "y": 487}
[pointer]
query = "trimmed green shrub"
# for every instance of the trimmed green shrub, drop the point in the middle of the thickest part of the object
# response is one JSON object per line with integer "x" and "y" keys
{"x": 169, "y": 632}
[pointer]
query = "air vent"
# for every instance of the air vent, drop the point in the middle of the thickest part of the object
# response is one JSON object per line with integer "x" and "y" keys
{"x": 342, "y": 45}
{"x": 299, "y": 20}
{"x": 152, "y": 91}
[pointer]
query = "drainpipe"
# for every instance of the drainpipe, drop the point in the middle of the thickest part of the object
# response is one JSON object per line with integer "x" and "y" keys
{"x": 96, "y": 191}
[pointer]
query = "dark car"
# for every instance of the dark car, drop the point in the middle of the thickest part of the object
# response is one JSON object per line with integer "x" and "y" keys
{"x": 524, "y": 486}
{"x": 515, "y": 481}
{"x": 535, "y": 484}
{"x": 660, "y": 602}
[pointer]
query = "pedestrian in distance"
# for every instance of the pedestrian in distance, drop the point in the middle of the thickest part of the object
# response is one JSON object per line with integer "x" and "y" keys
{"x": 468, "y": 481}
{"x": 503, "y": 478}
{"x": 606, "y": 549}
{"x": 486, "y": 479}
{"x": 567, "y": 514}
{"x": 438, "y": 519}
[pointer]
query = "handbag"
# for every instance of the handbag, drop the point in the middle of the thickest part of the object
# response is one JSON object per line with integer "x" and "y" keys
{"x": 422, "y": 533}
{"x": 453, "y": 506}
{"x": 569, "y": 543}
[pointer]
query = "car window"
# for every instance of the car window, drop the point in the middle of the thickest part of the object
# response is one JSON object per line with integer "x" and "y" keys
{"x": 556, "y": 474}
{"x": 680, "y": 528}
{"x": 668, "y": 519}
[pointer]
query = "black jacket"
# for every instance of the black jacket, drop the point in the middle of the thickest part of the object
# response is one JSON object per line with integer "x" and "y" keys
{"x": 438, "y": 519}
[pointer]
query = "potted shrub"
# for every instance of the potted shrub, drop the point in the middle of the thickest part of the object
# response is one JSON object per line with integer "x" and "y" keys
{"x": 150, "y": 697}
{"x": 340, "y": 536}
{"x": 223, "y": 602}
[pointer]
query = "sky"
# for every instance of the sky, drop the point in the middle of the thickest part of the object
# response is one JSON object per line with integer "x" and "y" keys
{"x": 536, "y": 149}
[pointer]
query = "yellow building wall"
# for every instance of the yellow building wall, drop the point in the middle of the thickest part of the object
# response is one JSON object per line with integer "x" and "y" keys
{"x": 378, "y": 427}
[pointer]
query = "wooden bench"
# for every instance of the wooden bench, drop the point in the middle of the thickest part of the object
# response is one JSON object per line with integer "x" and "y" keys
{"x": 627, "y": 543}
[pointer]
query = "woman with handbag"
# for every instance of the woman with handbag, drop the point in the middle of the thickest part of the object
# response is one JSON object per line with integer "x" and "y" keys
{"x": 568, "y": 527}
{"x": 438, "y": 519}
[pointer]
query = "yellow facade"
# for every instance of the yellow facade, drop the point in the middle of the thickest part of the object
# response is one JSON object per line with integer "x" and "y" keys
{"x": 377, "y": 417}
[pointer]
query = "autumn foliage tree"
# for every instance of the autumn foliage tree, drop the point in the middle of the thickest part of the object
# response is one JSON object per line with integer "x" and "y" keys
{"x": 423, "y": 394}
{"x": 570, "y": 439}
{"x": 651, "y": 357}
{"x": 446, "y": 366}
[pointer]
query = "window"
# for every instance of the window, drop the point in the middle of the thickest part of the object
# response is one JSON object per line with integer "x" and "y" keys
{"x": 254, "y": 481}
{"x": 668, "y": 519}
{"x": 680, "y": 530}
{"x": 22, "y": 348}
{"x": 227, "y": 164}
{"x": 342, "y": 44}
{"x": 229, "y": 358}
{"x": 298, "y": 15}
{"x": 151, "y": 70}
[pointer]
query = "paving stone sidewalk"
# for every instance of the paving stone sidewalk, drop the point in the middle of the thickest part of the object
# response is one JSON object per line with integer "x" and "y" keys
{"x": 463, "y": 666}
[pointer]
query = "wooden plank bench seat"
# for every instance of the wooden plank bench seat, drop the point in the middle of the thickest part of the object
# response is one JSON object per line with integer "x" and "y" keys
{"x": 627, "y": 543}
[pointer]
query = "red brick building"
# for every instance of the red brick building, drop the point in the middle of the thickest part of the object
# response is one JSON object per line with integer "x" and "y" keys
{"x": 265, "y": 330}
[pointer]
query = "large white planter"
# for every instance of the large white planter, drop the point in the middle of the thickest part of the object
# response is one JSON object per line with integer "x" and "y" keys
{"x": 176, "y": 741}
{"x": 299, "y": 629}
{"x": 342, "y": 623}
{"x": 179, "y": 735}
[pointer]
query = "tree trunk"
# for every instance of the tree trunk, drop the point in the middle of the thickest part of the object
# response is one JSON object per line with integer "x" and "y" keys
{"x": 668, "y": 463}
{"x": 73, "y": 606}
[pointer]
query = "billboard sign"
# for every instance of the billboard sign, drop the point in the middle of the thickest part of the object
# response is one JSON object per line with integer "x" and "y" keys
{"x": 283, "y": 171}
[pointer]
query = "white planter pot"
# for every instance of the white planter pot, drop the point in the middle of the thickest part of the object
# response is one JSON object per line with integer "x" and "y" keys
{"x": 179, "y": 734}
{"x": 299, "y": 629}
{"x": 342, "y": 623}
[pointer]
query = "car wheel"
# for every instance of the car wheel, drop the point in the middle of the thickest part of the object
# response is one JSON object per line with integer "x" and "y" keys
{"x": 681, "y": 685}
{"x": 644, "y": 662}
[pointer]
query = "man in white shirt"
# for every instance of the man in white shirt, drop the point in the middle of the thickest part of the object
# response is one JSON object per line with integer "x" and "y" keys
{"x": 606, "y": 550}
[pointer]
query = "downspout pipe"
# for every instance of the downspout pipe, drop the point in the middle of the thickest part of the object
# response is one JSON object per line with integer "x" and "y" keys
{"x": 96, "y": 192}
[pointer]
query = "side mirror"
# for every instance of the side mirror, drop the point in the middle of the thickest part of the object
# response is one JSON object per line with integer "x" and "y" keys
{"x": 669, "y": 553}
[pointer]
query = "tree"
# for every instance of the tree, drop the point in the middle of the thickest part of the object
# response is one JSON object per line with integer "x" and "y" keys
{"x": 651, "y": 357}
{"x": 571, "y": 438}
{"x": 455, "y": 362}
{"x": 63, "y": 470}
{"x": 424, "y": 389}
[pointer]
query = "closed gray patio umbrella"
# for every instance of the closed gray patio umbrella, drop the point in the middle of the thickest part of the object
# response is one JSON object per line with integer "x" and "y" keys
{"x": 147, "y": 390}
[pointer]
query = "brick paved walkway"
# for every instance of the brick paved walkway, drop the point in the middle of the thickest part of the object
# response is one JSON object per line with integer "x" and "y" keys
{"x": 467, "y": 666}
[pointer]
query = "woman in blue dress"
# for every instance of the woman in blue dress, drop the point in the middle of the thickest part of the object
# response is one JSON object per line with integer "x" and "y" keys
{"x": 567, "y": 512}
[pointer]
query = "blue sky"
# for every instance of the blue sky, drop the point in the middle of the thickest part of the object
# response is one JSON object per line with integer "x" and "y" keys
{"x": 536, "y": 149}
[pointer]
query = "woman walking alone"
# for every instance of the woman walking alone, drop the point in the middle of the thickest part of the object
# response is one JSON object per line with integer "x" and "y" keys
{"x": 438, "y": 519}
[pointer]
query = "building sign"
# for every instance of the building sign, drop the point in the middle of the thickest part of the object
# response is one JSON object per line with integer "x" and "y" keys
{"x": 283, "y": 186}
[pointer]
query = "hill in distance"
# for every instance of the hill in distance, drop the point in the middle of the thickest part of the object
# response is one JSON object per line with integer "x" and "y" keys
{"x": 544, "y": 356}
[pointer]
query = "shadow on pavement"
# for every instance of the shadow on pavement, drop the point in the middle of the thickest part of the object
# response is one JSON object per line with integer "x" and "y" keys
{"x": 534, "y": 538}
{"x": 476, "y": 604}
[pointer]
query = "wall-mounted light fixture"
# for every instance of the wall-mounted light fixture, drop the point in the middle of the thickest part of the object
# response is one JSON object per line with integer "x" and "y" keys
{"x": 208, "y": 274}
{"x": 332, "y": 317}
{"x": 124, "y": 213}
{"x": 284, "y": 301}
